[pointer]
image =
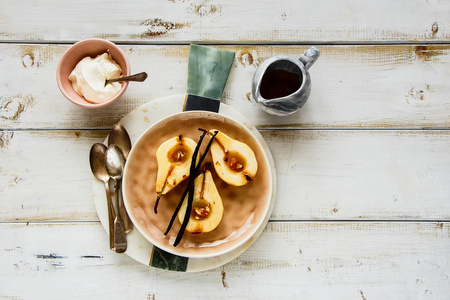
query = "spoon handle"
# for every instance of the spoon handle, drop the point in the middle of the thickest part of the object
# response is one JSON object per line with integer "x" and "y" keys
{"x": 123, "y": 212}
{"x": 136, "y": 77}
{"x": 111, "y": 215}
{"x": 120, "y": 238}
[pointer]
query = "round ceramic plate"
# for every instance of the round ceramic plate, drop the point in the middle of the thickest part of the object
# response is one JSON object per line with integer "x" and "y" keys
{"x": 244, "y": 206}
{"x": 141, "y": 250}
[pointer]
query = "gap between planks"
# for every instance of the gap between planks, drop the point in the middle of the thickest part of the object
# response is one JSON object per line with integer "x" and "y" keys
{"x": 263, "y": 44}
{"x": 270, "y": 221}
{"x": 273, "y": 128}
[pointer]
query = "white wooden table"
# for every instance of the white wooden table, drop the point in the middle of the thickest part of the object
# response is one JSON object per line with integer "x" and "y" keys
{"x": 363, "y": 202}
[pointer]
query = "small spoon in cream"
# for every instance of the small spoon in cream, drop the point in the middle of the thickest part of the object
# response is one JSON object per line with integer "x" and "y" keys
{"x": 136, "y": 77}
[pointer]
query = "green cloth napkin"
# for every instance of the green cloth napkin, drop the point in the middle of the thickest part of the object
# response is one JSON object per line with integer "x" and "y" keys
{"x": 208, "y": 71}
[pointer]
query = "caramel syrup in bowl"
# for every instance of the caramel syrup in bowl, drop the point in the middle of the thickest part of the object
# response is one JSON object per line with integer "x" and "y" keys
{"x": 277, "y": 83}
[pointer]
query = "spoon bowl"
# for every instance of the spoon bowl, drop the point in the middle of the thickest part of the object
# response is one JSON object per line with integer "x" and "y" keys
{"x": 119, "y": 136}
{"x": 115, "y": 162}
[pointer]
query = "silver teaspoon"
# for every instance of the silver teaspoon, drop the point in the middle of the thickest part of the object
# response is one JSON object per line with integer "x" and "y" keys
{"x": 98, "y": 167}
{"x": 136, "y": 77}
{"x": 119, "y": 136}
{"x": 115, "y": 162}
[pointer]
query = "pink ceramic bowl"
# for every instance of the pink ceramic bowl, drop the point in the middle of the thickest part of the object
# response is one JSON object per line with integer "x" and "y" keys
{"x": 80, "y": 50}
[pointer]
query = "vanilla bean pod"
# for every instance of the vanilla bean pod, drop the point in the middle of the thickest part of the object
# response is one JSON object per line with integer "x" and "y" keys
{"x": 174, "y": 216}
{"x": 202, "y": 158}
{"x": 206, "y": 151}
{"x": 155, "y": 208}
{"x": 190, "y": 189}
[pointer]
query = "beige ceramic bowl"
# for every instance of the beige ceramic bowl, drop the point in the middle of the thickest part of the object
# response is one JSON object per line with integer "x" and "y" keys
{"x": 245, "y": 207}
{"x": 80, "y": 50}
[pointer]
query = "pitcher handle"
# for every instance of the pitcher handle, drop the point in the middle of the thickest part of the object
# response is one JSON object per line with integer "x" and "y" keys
{"x": 309, "y": 57}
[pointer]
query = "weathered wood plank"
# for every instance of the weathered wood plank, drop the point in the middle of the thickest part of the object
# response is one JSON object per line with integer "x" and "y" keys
{"x": 291, "y": 260}
{"x": 51, "y": 243}
{"x": 41, "y": 171}
{"x": 322, "y": 174}
{"x": 353, "y": 87}
{"x": 184, "y": 21}
{"x": 361, "y": 174}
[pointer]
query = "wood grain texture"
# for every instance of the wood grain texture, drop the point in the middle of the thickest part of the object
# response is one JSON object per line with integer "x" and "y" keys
{"x": 322, "y": 174}
{"x": 318, "y": 260}
{"x": 362, "y": 208}
{"x": 352, "y": 87}
{"x": 361, "y": 174}
{"x": 185, "y": 21}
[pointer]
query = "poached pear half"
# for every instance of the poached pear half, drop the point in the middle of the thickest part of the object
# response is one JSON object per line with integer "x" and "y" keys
{"x": 207, "y": 207}
{"x": 234, "y": 161}
{"x": 174, "y": 158}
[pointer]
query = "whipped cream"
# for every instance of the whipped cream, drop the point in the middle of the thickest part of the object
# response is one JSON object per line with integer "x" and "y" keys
{"x": 88, "y": 78}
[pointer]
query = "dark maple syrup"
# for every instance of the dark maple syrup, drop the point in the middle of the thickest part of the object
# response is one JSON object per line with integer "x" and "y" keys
{"x": 279, "y": 83}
